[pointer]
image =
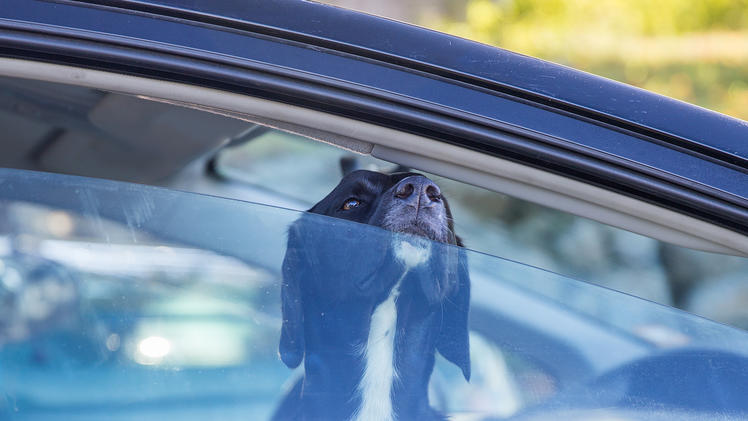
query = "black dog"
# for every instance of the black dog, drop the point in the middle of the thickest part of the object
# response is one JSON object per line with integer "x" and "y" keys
{"x": 365, "y": 310}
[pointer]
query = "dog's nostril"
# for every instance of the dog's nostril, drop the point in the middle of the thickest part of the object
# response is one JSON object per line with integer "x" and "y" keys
{"x": 433, "y": 193}
{"x": 404, "y": 191}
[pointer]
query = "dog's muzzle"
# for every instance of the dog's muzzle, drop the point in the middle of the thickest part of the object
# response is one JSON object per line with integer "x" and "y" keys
{"x": 415, "y": 206}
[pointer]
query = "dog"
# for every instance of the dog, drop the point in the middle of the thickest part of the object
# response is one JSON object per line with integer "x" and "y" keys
{"x": 366, "y": 310}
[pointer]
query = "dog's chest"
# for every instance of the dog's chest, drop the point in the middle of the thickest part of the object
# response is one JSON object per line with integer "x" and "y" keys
{"x": 380, "y": 371}
{"x": 379, "y": 365}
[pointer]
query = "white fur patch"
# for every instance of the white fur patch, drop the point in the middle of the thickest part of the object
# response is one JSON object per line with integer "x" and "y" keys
{"x": 379, "y": 370}
{"x": 412, "y": 252}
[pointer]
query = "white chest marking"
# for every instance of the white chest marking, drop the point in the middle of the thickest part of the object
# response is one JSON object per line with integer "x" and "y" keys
{"x": 379, "y": 365}
{"x": 412, "y": 252}
{"x": 380, "y": 372}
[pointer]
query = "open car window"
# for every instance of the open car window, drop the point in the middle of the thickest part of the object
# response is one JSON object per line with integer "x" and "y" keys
{"x": 132, "y": 302}
{"x": 85, "y": 131}
{"x": 707, "y": 284}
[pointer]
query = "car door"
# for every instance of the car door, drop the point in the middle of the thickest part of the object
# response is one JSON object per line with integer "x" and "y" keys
{"x": 148, "y": 92}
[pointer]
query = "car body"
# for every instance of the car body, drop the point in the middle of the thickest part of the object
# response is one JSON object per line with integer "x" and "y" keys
{"x": 169, "y": 83}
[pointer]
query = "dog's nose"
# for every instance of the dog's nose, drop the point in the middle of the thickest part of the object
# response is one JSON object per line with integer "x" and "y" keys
{"x": 418, "y": 191}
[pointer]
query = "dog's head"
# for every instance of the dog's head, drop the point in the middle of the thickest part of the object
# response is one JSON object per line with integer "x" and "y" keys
{"x": 324, "y": 265}
{"x": 401, "y": 202}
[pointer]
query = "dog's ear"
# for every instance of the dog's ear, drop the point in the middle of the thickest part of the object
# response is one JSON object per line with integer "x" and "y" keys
{"x": 291, "y": 346}
{"x": 453, "y": 341}
{"x": 324, "y": 259}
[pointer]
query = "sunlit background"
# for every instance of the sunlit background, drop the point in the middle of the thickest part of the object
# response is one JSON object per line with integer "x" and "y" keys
{"x": 695, "y": 51}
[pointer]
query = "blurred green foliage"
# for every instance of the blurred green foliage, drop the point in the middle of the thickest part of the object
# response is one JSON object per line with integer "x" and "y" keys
{"x": 696, "y": 51}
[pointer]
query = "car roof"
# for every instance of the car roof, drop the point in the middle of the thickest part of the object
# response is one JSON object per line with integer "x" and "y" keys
{"x": 674, "y": 122}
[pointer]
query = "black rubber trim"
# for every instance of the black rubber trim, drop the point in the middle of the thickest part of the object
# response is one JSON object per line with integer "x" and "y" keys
{"x": 266, "y": 83}
{"x": 646, "y": 133}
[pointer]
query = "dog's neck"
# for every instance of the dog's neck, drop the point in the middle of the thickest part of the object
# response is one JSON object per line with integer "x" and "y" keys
{"x": 383, "y": 374}
{"x": 378, "y": 354}
{"x": 380, "y": 362}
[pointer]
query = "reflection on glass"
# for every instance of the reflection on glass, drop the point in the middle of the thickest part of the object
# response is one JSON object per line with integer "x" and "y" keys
{"x": 152, "y": 349}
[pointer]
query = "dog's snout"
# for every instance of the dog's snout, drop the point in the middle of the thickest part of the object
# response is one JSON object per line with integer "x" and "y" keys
{"x": 418, "y": 191}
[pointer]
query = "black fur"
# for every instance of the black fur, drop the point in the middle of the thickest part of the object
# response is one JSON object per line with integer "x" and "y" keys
{"x": 334, "y": 277}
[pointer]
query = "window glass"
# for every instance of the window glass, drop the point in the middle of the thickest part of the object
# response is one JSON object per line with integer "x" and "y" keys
{"x": 124, "y": 301}
{"x": 708, "y": 284}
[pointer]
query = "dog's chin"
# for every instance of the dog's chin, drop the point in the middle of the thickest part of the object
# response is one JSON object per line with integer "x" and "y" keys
{"x": 421, "y": 229}
{"x": 418, "y": 231}
{"x": 412, "y": 251}
{"x": 412, "y": 244}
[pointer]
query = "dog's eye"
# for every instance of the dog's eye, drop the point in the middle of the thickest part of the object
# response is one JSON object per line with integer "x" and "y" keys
{"x": 350, "y": 204}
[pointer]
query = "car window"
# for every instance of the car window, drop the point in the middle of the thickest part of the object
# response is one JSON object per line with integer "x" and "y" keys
{"x": 84, "y": 131}
{"x": 708, "y": 284}
{"x": 125, "y": 301}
